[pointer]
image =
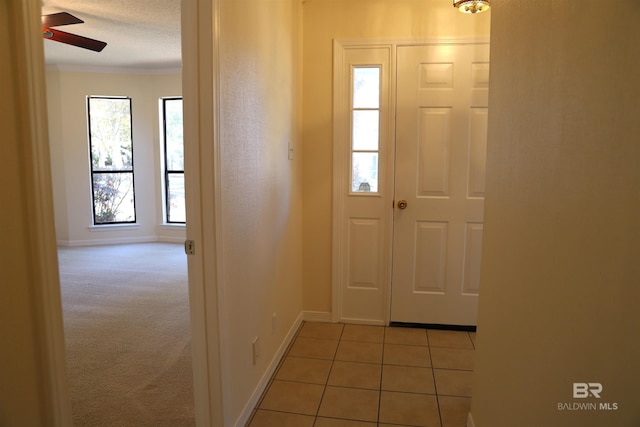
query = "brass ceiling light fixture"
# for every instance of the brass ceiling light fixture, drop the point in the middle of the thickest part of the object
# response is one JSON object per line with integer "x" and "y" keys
{"x": 472, "y": 6}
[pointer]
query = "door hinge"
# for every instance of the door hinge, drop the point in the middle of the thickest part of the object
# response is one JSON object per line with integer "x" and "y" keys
{"x": 189, "y": 247}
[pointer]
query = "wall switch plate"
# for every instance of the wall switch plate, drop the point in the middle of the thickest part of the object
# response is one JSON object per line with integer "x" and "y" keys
{"x": 274, "y": 323}
{"x": 255, "y": 347}
{"x": 290, "y": 151}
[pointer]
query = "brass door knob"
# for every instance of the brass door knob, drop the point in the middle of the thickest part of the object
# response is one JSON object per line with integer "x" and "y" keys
{"x": 402, "y": 204}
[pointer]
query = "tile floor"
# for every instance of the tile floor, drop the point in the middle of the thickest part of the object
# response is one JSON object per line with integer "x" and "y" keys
{"x": 341, "y": 375}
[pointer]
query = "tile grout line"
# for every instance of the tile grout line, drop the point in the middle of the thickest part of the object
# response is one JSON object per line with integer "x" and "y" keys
{"x": 342, "y": 337}
{"x": 326, "y": 382}
{"x": 384, "y": 337}
{"x": 433, "y": 374}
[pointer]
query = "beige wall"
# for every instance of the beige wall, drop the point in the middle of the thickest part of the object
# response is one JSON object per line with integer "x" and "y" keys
{"x": 560, "y": 269}
{"x": 261, "y": 241}
{"x": 325, "y": 20}
{"x": 66, "y": 97}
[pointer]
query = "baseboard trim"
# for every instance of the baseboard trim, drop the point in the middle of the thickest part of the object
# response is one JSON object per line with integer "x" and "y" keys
{"x": 247, "y": 412}
{"x": 326, "y": 317}
{"x": 100, "y": 242}
{"x": 470, "y": 422}
{"x": 363, "y": 321}
{"x": 168, "y": 239}
{"x": 317, "y": 316}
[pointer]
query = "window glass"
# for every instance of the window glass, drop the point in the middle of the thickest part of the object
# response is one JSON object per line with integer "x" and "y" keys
{"x": 113, "y": 200}
{"x": 175, "y": 198}
{"x": 365, "y": 172}
{"x": 365, "y": 129}
{"x": 173, "y": 134}
{"x": 172, "y": 131}
{"x": 366, "y": 87}
{"x": 111, "y": 148}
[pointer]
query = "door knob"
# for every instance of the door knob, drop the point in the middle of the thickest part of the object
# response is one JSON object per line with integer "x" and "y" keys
{"x": 402, "y": 204}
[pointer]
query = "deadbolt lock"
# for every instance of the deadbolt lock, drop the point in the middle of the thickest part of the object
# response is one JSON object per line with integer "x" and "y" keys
{"x": 402, "y": 204}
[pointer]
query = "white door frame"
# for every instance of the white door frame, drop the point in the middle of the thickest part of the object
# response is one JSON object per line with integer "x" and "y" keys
{"x": 200, "y": 46}
{"x": 341, "y": 171}
{"x": 25, "y": 30}
{"x": 200, "y": 92}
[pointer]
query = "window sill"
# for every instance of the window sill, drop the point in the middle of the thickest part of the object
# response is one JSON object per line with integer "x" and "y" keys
{"x": 114, "y": 227}
{"x": 172, "y": 226}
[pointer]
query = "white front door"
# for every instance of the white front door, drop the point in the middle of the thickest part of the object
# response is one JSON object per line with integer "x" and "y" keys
{"x": 441, "y": 130}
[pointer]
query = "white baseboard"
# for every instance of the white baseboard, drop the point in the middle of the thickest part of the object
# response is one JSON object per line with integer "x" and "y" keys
{"x": 322, "y": 316}
{"x": 99, "y": 242}
{"x": 364, "y": 322}
{"x": 264, "y": 381}
{"x": 168, "y": 239}
{"x": 470, "y": 422}
{"x": 316, "y": 316}
{"x": 120, "y": 241}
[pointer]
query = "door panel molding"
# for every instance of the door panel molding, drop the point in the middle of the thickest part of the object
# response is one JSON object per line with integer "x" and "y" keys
{"x": 440, "y": 120}
{"x": 372, "y": 304}
{"x": 361, "y": 220}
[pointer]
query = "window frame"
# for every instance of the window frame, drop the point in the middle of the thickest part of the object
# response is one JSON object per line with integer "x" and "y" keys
{"x": 353, "y": 109}
{"x": 93, "y": 172}
{"x": 166, "y": 172}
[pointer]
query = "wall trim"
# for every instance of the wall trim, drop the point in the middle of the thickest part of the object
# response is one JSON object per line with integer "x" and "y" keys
{"x": 113, "y": 227}
{"x": 170, "y": 239}
{"x": 247, "y": 412}
{"x": 413, "y": 41}
{"x": 161, "y": 70}
{"x": 115, "y": 241}
{"x": 318, "y": 316}
{"x": 364, "y": 322}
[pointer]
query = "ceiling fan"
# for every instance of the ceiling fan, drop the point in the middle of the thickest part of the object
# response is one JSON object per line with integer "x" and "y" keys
{"x": 64, "y": 18}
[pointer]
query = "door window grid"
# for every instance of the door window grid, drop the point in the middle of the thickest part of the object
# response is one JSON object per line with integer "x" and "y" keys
{"x": 111, "y": 160}
{"x": 173, "y": 161}
{"x": 365, "y": 129}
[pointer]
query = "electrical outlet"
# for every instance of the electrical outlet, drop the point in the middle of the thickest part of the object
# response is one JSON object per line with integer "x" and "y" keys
{"x": 255, "y": 347}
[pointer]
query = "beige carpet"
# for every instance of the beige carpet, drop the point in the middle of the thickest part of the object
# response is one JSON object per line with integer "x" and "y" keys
{"x": 126, "y": 318}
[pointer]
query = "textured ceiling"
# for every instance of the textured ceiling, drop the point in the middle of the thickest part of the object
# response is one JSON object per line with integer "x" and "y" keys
{"x": 141, "y": 34}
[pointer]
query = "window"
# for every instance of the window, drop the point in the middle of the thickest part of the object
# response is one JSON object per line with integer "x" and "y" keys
{"x": 173, "y": 160}
{"x": 365, "y": 129}
{"x": 111, "y": 151}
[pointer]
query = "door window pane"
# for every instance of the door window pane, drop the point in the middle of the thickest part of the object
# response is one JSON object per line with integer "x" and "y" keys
{"x": 365, "y": 129}
{"x": 364, "y": 177}
{"x": 366, "y": 87}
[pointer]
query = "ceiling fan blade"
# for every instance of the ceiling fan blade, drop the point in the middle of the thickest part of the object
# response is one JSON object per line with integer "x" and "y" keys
{"x": 60, "y": 18}
{"x": 73, "y": 39}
